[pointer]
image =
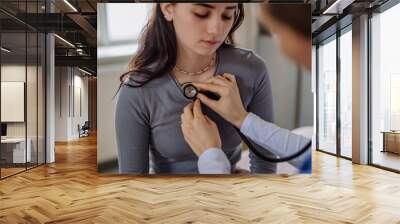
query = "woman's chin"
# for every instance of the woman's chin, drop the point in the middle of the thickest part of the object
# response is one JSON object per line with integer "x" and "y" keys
{"x": 205, "y": 52}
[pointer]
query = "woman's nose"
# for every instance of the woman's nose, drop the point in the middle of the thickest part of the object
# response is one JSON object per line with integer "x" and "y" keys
{"x": 214, "y": 26}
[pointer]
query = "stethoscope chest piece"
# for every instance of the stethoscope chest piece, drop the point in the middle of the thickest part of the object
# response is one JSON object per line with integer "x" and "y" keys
{"x": 189, "y": 91}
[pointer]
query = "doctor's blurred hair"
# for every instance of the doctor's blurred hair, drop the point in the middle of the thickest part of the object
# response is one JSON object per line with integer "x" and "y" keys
{"x": 296, "y": 16}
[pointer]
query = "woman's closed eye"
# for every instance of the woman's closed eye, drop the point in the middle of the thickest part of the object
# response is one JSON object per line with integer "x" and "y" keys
{"x": 201, "y": 15}
{"x": 227, "y": 17}
{"x": 206, "y": 15}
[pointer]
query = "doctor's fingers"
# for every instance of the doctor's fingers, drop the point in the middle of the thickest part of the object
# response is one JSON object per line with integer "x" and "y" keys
{"x": 187, "y": 133}
{"x": 226, "y": 80}
{"x": 187, "y": 112}
{"x": 207, "y": 101}
{"x": 232, "y": 81}
{"x": 197, "y": 113}
{"x": 230, "y": 77}
{"x": 210, "y": 121}
{"x": 187, "y": 126}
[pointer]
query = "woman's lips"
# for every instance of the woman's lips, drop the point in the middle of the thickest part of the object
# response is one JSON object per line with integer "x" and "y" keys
{"x": 211, "y": 42}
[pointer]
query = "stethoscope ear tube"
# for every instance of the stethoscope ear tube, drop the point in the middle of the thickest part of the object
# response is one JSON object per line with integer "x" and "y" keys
{"x": 268, "y": 158}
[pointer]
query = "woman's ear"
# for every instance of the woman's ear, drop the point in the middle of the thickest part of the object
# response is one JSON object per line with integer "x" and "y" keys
{"x": 167, "y": 9}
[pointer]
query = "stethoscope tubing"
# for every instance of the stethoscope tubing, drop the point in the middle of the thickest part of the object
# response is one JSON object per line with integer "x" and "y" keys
{"x": 193, "y": 93}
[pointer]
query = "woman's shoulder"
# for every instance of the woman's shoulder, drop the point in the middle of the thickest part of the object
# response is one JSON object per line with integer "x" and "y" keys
{"x": 129, "y": 94}
{"x": 143, "y": 82}
{"x": 243, "y": 59}
{"x": 135, "y": 90}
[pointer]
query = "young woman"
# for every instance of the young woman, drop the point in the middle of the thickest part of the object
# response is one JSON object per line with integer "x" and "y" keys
{"x": 185, "y": 42}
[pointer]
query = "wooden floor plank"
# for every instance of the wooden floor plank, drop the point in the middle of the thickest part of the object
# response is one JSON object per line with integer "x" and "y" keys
{"x": 71, "y": 191}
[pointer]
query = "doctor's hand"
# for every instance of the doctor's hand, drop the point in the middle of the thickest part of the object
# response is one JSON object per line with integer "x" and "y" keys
{"x": 230, "y": 105}
{"x": 199, "y": 131}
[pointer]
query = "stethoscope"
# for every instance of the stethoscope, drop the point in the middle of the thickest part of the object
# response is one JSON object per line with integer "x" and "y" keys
{"x": 190, "y": 92}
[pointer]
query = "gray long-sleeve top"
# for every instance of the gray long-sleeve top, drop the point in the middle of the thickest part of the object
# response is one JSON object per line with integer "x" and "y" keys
{"x": 147, "y": 118}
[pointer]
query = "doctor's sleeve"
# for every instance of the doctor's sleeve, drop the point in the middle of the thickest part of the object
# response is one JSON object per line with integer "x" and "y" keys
{"x": 213, "y": 161}
{"x": 262, "y": 105}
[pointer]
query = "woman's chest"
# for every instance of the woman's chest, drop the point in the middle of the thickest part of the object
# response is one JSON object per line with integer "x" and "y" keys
{"x": 167, "y": 137}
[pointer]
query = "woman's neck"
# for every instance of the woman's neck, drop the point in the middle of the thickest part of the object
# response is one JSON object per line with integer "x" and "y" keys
{"x": 191, "y": 62}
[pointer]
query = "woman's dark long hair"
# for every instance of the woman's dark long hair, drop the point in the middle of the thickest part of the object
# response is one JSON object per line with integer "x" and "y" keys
{"x": 157, "y": 49}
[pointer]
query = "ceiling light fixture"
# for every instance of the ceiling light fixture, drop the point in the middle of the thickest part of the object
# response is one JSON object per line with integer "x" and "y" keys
{"x": 337, "y": 7}
{"x": 84, "y": 71}
{"x": 70, "y": 5}
{"x": 5, "y": 50}
{"x": 64, "y": 40}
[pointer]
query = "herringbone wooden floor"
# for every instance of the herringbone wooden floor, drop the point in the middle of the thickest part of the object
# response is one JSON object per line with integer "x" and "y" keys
{"x": 71, "y": 191}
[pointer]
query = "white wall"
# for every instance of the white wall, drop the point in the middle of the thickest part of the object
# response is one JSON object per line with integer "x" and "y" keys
{"x": 61, "y": 103}
{"x": 291, "y": 87}
{"x": 17, "y": 73}
{"x": 67, "y": 81}
{"x": 81, "y": 83}
{"x": 12, "y": 101}
{"x": 284, "y": 80}
{"x": 33, "y": 126}
{"x": 12, "y": 73}
{"x": 107, "y": 85}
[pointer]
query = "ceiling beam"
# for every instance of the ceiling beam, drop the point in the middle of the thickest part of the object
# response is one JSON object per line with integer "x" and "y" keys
{"x": 86, "y": 27}
{"x": 83, "y": 61}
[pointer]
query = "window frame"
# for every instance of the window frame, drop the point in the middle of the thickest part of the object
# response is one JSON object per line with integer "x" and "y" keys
{"x": 333, "y": 37}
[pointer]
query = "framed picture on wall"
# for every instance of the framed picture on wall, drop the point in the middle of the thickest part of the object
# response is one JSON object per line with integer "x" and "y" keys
{"x": 12, "y": 101}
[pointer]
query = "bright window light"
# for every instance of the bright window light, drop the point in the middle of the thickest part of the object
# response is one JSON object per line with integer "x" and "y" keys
{"x": 126, "y": 20}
